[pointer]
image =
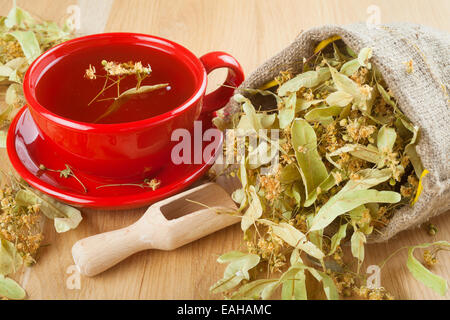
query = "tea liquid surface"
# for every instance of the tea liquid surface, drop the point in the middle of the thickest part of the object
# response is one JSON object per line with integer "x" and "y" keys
{"x": 65, "y": 91}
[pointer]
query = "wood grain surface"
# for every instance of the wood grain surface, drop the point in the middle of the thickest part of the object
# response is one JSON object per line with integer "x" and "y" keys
{"x": 252, "y": 31}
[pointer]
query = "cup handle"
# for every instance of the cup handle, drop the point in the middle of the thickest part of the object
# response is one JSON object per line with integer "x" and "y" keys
{"x": 220, "y": 97}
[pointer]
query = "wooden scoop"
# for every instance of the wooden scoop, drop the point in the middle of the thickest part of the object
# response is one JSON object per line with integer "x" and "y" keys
{"x": 166, "y": 225}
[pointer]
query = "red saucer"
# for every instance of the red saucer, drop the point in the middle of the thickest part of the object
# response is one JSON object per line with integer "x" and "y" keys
{"x": 27, "y": 150}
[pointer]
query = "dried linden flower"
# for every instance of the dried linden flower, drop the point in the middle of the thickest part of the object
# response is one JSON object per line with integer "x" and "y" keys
{"x": 90, "y": 73}
{"x": 409, "y": 66}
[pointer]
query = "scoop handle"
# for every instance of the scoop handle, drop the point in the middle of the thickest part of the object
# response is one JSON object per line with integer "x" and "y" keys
{"x": 100, "y": 252}
{"x": 155, "y": 230}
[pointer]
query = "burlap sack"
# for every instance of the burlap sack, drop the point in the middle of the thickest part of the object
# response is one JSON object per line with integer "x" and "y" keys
{"x": 422, "y": 95}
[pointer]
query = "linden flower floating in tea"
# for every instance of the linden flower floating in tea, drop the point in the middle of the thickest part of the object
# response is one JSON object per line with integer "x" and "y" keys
{"x": 115, "y": 73}
{"x": 347, "y": 162}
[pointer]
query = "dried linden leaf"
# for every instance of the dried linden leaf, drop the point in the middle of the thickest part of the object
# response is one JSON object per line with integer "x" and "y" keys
{"x": 369, "y": 153}
{"x": 14, "y": 77}
{"x": 386, "y": 97}
{"x": 262, "y": 154}
{"x": 368, "y": 179}
{"x": 352, "y": 195}
{"x": 289, "y": 174}
{"x": 357, "y": 213}
{"x": 294, "y": 238}
{"x": 435, "y": 282}
{"x": 295, "y": 257}
{"x": 250, "y": 112}
{"x": 18, "y": 17}
{"x": 350, "y": 67}
{"x": 364, "y": 56}
{"x": 350, "y": 52}
{"x": 410, "y": 148}
{"x": 240, "y": 197}
{"x": 324, "y": 186}
{"x": 13, "y": 94}
{"x": 287, "y": 114}
{"x": 339, "y": 98}
{"x": 11, "y": 289}
{"x": 386, "y": 139}
{"x": 20, "y": 64}
{"x": 262, "y": 288}
{"x": 344, "y": 202}
{"x": 315, "y": 237}
{"x": 296, "y": 187}
{"x": 323, "y": 115}
{"x": 304, "y": 141}
{"x": 243, "y": 175}
{"x": 5, "y": 71}
{"x": 303, "y": 104}
{"x": 337, "y": 238}
{"x": 267, "y": 120}
{"x": 254, "y": 210}
{"x": 231, "y": 256}
{"x": 236, "y": 271}
{"x": 64, "y": 216}
{"x": 329, "y": 286}
{"x": 345, "y": 84}
{"x": 29, "y": 44}
{"x": 294, "y": 283}
{"x": 307, "y": 79}
{"x": 10, "y": 259}
{"x": 126, "y": 95}
{"x": 357, "y": 241}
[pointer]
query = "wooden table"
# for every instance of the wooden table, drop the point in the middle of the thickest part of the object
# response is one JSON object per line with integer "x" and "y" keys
{"x": 252, "y": 31}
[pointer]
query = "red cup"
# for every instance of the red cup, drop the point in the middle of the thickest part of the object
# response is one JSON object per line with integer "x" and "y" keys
{"x": 136, "y": 149}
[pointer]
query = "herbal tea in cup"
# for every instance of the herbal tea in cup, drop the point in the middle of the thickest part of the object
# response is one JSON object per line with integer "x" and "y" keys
{"x": 108, "y": 103}
{"x": 115, "y": 84}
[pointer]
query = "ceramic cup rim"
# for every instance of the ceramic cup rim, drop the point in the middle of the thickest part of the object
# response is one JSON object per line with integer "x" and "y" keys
{"x": 117, "y": 37}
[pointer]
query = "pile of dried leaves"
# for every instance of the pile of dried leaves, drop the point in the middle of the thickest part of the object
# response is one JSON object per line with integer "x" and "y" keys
{"x": 21, "y": 215}
{"x": 22, "y": 39}
{"x": 347, "y": 163}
